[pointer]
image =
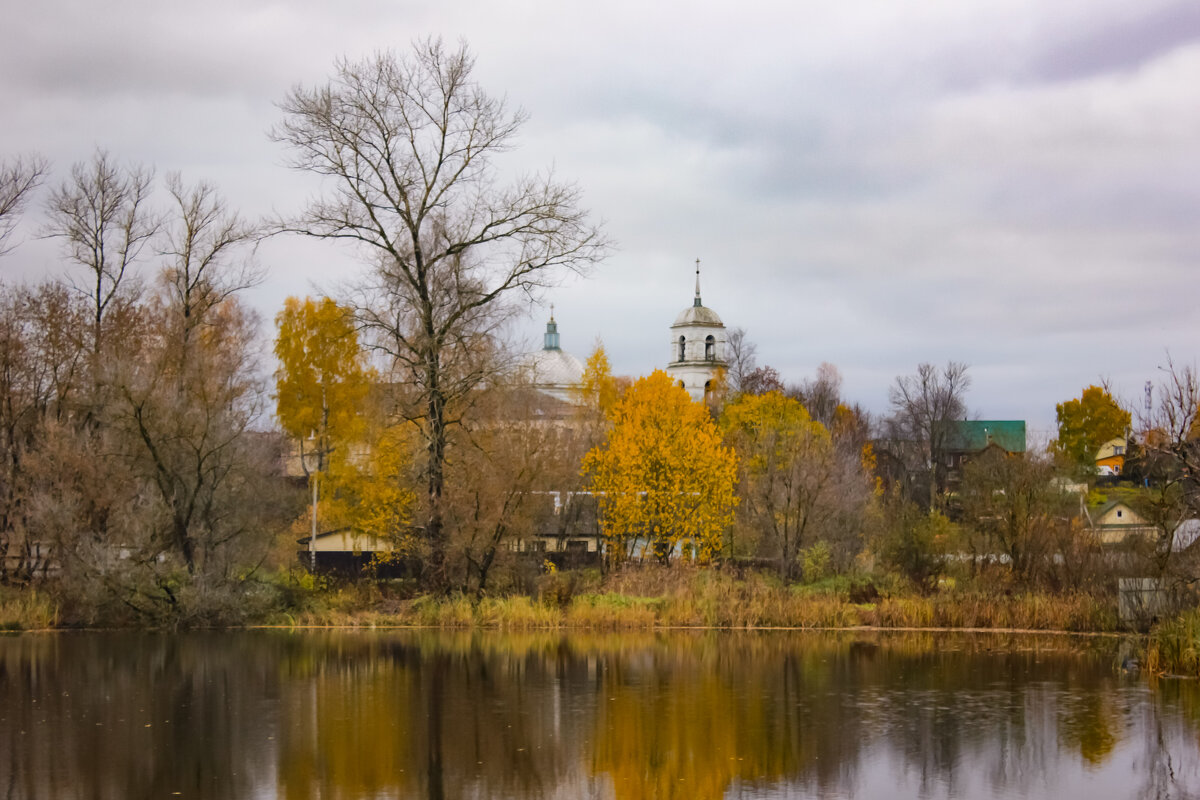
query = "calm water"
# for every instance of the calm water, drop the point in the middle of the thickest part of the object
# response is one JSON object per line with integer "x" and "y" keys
{"x": 771, "y": 715}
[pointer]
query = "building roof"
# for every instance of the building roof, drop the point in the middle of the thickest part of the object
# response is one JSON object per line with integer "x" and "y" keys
{"x": 973, "y": 436}
{"x": 698, "y": 315}
{"x": 555, "y": 368}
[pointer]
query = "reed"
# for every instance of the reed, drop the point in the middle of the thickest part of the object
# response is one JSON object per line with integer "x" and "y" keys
{"x": 611, "y": 612}
{"x": 1173, "y": 646}
{"x": 26, "y": 610}
{"x": 516, "y": 613}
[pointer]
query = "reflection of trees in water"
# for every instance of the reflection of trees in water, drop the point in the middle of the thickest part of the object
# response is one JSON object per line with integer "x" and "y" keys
{"x": 927, "y": 715}
{"x": 404, "y": 714}
{"x": 352, "y": 715}
{"x": 131, "y": 715}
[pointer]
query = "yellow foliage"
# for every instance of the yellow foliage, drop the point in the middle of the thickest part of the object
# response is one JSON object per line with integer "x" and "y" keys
{"x": 372, "y": 495}
{"x": 663, "y": 474}
{"x": 598, "y": 386}
{"x": 322, "y": 378}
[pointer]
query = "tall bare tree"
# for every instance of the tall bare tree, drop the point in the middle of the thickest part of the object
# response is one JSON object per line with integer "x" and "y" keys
{"x": 103, "y": 216}
{"x": 18, "y": 178}
{"x": 407, "y": 145}
{"x": 923, "y": 405}
{"x": 209, "y": 251}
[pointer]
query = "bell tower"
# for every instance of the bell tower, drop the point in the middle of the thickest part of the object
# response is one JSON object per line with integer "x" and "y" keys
{"x": 698, "y": 343}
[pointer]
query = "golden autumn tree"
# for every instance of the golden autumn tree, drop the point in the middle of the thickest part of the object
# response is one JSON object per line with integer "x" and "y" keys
{"x": 321, "y": 382}
{"x": 1088, "y": 422}
{"x": 663, "y": 476}
{"x": 371, "y": 493}
{"x": 598, "y": 386}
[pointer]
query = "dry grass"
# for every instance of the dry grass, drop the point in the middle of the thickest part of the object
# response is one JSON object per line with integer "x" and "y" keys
{"x": 611, "y": 612}
{"x": 26, "y": 610}
{"x": 1174, "y": 646}
{"x": 1031, "y": 611}
{"x": 645, "y": 598}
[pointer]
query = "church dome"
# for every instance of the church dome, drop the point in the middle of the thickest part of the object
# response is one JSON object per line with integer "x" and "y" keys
{"x": 555, "y": 368}
{"x": 697, "y": 315}
{"x": 554, "y": 371}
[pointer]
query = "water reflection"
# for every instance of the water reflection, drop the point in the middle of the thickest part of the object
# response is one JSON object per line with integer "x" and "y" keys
{"x": 708, "y": 715}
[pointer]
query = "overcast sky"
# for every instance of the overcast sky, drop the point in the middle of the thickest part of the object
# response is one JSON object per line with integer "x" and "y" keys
{"x": 1014, "y": 185}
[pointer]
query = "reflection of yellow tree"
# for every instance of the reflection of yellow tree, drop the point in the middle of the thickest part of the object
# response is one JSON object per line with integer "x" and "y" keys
{"x": 1092, "y": 725}
{"x": 345, "y": 734}
{"x": 696, "y": 739}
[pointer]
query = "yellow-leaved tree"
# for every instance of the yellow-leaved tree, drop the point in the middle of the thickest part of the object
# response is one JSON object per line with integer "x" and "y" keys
{"x": 598, "y": 386}
{"x": 321, "y": 383}
{"x": 370, "y": 493}
{"x": 662, "y": 477}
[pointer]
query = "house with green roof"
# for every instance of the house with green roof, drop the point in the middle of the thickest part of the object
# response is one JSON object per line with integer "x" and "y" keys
{"x": 965, "y": 439}
{"x": 973, "y": 436}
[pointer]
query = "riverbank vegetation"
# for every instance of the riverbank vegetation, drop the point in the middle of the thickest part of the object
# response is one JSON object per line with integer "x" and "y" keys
{"x": 690, "y": 598}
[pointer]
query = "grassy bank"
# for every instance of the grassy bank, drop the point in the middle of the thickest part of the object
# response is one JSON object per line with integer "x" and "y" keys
{"x": 648, "y": 599}
{"x": 637, "y": 599}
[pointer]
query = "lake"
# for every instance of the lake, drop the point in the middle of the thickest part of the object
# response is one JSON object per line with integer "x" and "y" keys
{"x": 697, "y": 715}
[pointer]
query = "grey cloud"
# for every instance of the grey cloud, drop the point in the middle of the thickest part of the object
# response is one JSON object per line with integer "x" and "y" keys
{"x": 1135, "y": 37}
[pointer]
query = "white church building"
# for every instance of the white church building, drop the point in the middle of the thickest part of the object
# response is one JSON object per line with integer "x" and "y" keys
{"x": 698, "y": 351}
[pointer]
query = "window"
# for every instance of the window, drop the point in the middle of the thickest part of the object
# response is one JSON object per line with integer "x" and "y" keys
{"x": 682, "y": 343}
{"x": 1118, "y": 450}
{"x": 1118, "y": 512}
{"x": 710, "y": 348}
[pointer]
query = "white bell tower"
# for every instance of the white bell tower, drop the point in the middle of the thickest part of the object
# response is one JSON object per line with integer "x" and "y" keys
{"x": 698, "y": 345}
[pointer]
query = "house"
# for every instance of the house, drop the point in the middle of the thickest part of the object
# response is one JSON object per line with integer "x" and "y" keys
{"x": 964, "y": 439}
{"x": 566, "y": 530}
{"x": 1110, "y": 458}
{"x": 1115, "y": 522}
{"x": 343, "y": 552}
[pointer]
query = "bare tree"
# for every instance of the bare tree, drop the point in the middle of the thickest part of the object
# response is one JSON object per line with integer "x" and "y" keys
{"x": 408, "y": 146}
{"x": 183, "y": 424}
{"x": 18, "y": 178}
{"x": 923, "y": 405}
{"x": 1015, "y": 506}
{"x": 102, "y": 214}
{"x": 209, "y": 252}
{"x": 742, "y": 357}
{"x": 821, "y": 395}
{"x": 1170, "y": 457}
{"x": 761, "y": 380}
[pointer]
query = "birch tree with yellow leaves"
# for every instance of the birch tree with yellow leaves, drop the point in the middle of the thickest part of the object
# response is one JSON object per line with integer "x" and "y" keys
{"x": 662, "y": 477}
{"x": 321, "y": 383}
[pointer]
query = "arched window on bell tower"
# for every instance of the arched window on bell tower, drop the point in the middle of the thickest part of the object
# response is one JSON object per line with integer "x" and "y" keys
{"x": 710, "y": 348}
{"x": 682, "y": 347}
